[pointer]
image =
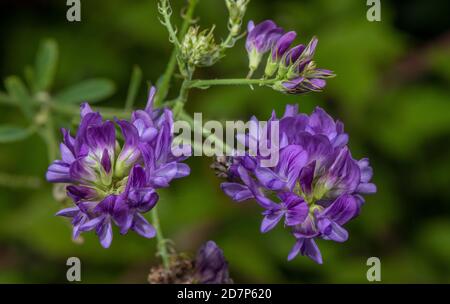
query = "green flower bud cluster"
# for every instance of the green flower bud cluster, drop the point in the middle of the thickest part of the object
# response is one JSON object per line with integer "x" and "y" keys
{"x": 199, "y": 49}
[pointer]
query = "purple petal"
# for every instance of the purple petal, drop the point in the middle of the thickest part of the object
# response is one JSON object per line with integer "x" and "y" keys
{"x": 68, "y": 212}
{"x": 102, "y": 136}
{"x": 66, "y": 154}
{"x": 295, "y": 250}
{"x": 151, "y": 97}
{"x": 211, "y": 265}
{"x": 306, "y": 178}
{"x": 322, "y": 123}
{"x": 130, "y": 152}
{"x": 105, "y": 233}
{"x": 92, "y": 224}
{"x": 107, "y": 205}
{"x": 78, "y": 193}
{"x": 291, "y": 111}
{"x": 162, "y": 176}
{"x": 68, "y": 140}
{"x": 311, "y": 48}
{"x": 58, "y": 172}
{"x": 85, "y": 109}
{"x": 106, "y": 161}
{"x": 262, "y": 36}
{"x": 129, "y": 132}
{"x": 149, "y": 134}
{"x": 250, "y": 26}
{"x": 297, "y": 210}
{"x": 88, "y": 121}
{"x": 332, "y": 231}
{"x": 236, "y": 191}
{"x": 366, "y": 170}
{"x": 269, "y": 179}
{"x": 282, "y": 45}
{"x": 271, "y": 220}
{"x": 344, "y": 174}
{"x": 293, "y": 54}
{"x": 342, "y": 210}
{"x": 366, "y": 188}
{"x": 80, "y": 171}
{"x": 292, "y": 159}
{"x": 142, "y": 227}
{"x": 123, "y": 217}
{"x": 311, "y": 250}
{"x": 306, "y": 247}
{"x": 137, "y": 178}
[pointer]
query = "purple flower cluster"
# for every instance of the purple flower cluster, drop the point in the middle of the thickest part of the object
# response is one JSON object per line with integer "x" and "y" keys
{"x": 295, "y": 68}
{"x": 116, "y": 183}
{"x": 316, "y": 186}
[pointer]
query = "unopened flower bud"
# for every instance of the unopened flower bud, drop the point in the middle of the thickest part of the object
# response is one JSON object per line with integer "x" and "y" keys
{"x": 236, "y": 9}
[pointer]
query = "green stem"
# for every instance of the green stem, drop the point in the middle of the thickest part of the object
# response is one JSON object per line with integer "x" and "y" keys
{"x": 17, "y": 181}
{"x": 161, "y": 241}
{"x": 199, "y": 83}
{"x": 166, "y": 11}
{"x": 171, "y": 66}
{"x": 188, "y": 17}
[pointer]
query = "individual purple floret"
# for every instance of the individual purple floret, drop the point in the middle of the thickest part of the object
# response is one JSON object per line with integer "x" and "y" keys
{"x": 316, "y": 186}
{"x": 292, "y": 69}
{"x": 112, "y": 182}
{"x": 260, "y": 39}
{"x": 278, "y": 51}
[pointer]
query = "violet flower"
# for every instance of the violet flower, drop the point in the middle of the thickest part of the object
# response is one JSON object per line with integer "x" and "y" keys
{"x": 260, "y": 39}
{"x": 317, "y": 185}
{"x": 298, "y": 74}
{"x": 112, "y": 183}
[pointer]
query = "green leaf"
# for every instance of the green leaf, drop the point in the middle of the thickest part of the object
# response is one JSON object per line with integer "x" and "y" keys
{"x": 46, "y": 63}
{"x": 30, "y": 78}
{"x": 135, "y": 83}
{"x": 13, "y": 133}
{"x": 19, "y": 93}
{"x": 91, "y": 91}
{"x": 5, "y": 99}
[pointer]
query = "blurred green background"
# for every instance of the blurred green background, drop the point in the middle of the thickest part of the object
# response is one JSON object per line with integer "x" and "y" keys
{"x": 392, "y": 92}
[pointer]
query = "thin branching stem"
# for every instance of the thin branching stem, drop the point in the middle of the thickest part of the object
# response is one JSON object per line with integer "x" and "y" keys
{"x": 172, "y": 64}
{"x": 200, "y": 83}
{"x": 161, "y": 245}
{"x": 165, "y": 10}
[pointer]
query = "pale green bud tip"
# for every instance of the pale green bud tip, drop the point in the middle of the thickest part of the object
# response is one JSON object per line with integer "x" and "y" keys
{"x": 271, "y": 67}
{"x": 254, "y": 58}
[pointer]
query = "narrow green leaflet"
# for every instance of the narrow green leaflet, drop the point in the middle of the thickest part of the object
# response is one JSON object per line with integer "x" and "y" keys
{"x": 91, "y": 91}
{"x": 135, "y": 83}
{"x": 19, "y": 93}
{"x": 46, "y": 63}
{"x": 13, "y": 133}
